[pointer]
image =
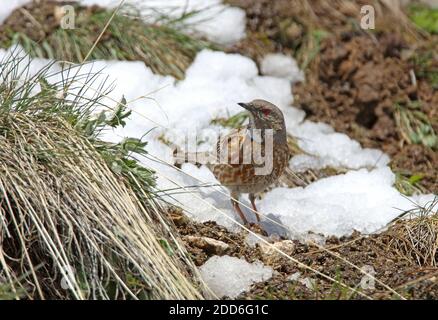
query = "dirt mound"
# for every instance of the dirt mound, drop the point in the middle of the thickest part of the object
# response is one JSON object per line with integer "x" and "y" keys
{"x": 367, "y": 88}
{"x": 291, "y": 26}
{"x": 37, "y": 20}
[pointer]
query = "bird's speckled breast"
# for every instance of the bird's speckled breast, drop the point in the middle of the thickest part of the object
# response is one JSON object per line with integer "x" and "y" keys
{"x": 243, "y": 178}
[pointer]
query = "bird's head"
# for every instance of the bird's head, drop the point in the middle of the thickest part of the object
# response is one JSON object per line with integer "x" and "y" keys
{"x": 264, "y": 115}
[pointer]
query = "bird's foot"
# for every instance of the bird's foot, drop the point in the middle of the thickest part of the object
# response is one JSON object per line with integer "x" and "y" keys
{"x": 257, "y": 228}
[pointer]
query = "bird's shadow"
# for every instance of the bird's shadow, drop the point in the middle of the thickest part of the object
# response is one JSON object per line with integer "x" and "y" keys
{"x": 269, "y": 222}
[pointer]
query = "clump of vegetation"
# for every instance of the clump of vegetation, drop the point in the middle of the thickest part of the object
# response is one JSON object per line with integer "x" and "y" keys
{"x": 414, "y": 126}
{"x": 234, "y": 122}
{"x": 79, "y": 217}
{"x": 162, "y": 47}
{"x": 425, "y": 18}
{"x": 426, "y": 65}
{"x": 408, "y": 184}
{"x": 416, "y": 238}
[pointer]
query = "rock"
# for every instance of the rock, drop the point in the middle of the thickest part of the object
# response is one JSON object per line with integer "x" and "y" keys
{"x": 230, "y": 276}
{"x": 272, "y": 256}
{"x": 209, "y": 245}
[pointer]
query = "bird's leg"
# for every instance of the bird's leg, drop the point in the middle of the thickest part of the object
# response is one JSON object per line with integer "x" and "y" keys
{"x": 235, "y": 203}
{"x": 252, "y": 199}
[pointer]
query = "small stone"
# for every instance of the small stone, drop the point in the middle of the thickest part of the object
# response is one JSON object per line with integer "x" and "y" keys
{"x": 274, "y": 237}
{"x": 272, "y": 256}
{"x": 209, "y": 245}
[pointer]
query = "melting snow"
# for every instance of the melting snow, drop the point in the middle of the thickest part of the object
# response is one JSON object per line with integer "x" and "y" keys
{"x": 358, "y": 200}
{"x": 327, "y": 148}
{"x": 214, "y": 20}
{"x": 281, "y": 66}
{"x": 229, "y": 276}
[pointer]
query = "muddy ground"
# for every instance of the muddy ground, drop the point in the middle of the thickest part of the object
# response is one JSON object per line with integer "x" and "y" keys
{"x": 358, "y": 85}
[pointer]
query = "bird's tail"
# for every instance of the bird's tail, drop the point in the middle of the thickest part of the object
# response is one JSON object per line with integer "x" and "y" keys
{"x": 181, "y": 156}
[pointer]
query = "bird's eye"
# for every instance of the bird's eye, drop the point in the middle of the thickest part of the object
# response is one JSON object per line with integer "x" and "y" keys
{"x": 266, "y": 112}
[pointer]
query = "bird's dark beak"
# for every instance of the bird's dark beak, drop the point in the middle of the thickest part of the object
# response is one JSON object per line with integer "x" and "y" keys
{"x": 245, "y": 106}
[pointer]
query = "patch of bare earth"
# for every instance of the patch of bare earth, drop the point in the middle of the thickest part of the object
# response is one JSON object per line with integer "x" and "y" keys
{"x": 356, "y": 87}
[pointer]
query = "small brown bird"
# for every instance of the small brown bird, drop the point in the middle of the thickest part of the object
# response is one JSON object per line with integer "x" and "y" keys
{"x": 251, "y": 159}
{"x": 241, "y": 176}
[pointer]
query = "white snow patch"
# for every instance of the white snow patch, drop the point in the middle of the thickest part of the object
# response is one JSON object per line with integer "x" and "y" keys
{"x": 14, "y": 61}
{"x": 17, "y": 53}
{"x": 229, "y": 276}
{"x": 358, "y": 200}
{"x": 281, "y": 66}
{"x": 214, "y": 20}
{"x": 327, "y": 148}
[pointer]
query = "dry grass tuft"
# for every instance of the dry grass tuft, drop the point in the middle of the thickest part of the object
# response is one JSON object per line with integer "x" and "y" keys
{"x": 416, "y": 238}
{"x": 71, "y": 225}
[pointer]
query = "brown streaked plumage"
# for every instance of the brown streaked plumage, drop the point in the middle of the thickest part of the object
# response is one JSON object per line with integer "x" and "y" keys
{"x": 240, "y": 177}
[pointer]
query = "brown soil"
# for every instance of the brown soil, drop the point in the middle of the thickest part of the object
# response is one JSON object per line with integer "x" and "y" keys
{"x": 236, "y": 241}
{"x": 286, "y": 26}
{"x": 356, "y": 85}
{"x": 37, "y": 19}
{"x": 411, "y": 281}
